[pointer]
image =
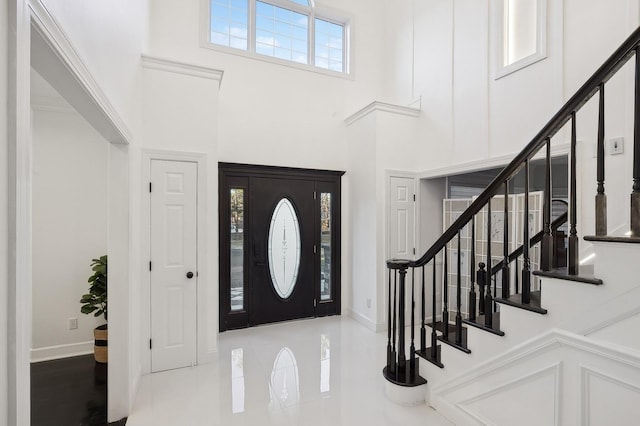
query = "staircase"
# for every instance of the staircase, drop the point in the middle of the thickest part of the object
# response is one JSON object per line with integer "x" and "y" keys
{"x": 554, "y": 346}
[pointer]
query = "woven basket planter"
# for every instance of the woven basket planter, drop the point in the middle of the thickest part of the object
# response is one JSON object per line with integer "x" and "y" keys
{"x": 100, "y": 349}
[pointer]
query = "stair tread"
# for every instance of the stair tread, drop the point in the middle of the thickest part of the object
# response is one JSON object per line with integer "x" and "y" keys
{"x": 563, "y": 274}
{"x": 516, "y": 301}
{"x": 405, "y": 381}
{"x": 613, "y": 239}
{"x": 451, "y": 338}
{"x": 426, "y": 354}
{"x": 479, "y": 323}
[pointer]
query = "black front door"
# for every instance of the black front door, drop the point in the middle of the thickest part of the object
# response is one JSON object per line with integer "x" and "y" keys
{"x": 282, "y": 222}
{"x": 279, "y": 244}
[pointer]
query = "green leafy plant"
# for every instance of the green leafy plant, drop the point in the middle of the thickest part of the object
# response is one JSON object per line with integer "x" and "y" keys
{"x": 96, "y": 300}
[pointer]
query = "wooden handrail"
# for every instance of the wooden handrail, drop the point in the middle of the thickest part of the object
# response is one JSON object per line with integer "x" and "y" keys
{"x": 588, "y": 89}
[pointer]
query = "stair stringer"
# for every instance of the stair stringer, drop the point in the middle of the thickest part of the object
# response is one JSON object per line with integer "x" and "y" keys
{"x": 616, "y": 321}
{"x": 557, "y": 378}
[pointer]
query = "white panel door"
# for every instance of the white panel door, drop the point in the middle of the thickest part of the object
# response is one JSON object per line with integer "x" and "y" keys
{"x": 173, "y": 264}
{"x": 402, "y": 218}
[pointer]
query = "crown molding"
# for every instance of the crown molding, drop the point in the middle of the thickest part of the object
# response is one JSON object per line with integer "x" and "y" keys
{"x": 168, "y": 65}
{"x": 112, "y": 126}
{"x": 382, "y": 107}
{"x": 557, "y": 150}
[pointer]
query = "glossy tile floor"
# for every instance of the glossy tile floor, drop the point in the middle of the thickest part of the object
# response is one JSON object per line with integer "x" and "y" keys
{"x": 325, "y": 371}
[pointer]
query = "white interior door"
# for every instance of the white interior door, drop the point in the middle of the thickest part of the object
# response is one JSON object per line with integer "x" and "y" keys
{"x": 402, "y": 218}
{"x": 173, "y": 264}
{"x": 402, "y": 226}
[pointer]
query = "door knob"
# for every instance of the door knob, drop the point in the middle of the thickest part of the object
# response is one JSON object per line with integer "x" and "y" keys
{"x": 189, "y": 274}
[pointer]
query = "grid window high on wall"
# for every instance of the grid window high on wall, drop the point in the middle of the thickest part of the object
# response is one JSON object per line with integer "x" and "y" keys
{"x": 292, "y": 32}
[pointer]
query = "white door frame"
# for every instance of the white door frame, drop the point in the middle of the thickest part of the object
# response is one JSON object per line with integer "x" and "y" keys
{"x": 80, "y": 86}
{"x": 389, "y": 174}
{"x": 148, "y": 155}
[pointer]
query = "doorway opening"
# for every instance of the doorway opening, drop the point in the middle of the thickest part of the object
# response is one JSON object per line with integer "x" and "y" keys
{"x": 279, "y": 244}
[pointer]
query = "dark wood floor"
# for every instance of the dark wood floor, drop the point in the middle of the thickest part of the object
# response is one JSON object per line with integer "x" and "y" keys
{"x": 69, "y": 392}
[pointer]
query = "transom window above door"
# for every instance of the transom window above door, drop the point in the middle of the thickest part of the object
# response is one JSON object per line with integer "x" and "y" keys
{"x": 291, "y": 32}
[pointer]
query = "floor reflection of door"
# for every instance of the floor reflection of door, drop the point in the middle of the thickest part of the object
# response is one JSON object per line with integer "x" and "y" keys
{"x": 279, "y": 244}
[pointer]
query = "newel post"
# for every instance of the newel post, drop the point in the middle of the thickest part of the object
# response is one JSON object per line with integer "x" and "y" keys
{"x": 400, "y": 268}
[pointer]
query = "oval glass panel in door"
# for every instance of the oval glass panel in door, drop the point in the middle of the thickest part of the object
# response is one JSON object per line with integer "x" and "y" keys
{"x": 283, "y": 248}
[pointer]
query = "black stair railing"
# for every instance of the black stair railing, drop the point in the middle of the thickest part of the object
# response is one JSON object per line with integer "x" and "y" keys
{"x": 559, "y": 257}
{"x": 397, "y": 369}
{"x": 558, "y": 252}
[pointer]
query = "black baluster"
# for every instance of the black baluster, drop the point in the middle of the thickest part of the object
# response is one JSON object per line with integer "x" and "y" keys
{"x": 412, "y": 348}
{"x": 423, "y": 330}
{"x": 459, "y": 296}
{"x": 402, "y": 359}
{"x": 517, "y": 277}
{"x": 495, "y": 291}
{"x": 394, "y": 364}
{"x": 445, "y": 295}
{"x": 472, "y": 263}
{"x": 482, "y": 280}
{"x": 389, "y": 351}
{"x": 573, "y": 233}
{"x": 526, "y": 263}
{"x": 546, "y": 246}
{"x": 505, "y": 261}
{"x": 488, "y": 299}
{"x": 601, "y": 198}
{"x": 434, "y": 335}
{"x": 635, "y": 194}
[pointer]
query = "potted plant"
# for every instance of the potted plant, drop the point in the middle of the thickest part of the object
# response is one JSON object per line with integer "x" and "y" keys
{"x": 95, "y": 302}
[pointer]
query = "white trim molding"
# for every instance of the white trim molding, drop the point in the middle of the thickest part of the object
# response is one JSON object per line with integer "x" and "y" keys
{"x": 563, "y": 354}
{"x": 612, "y": 312}
{"x": 587, "y": 374}
{"x": 502, "y": 36}
{"x": 61, "y": 351}
{"x": 366, "y": 321}
{"x": 168, "y": 65}
{"x": 553, "y": 370}
{"x": 382, "y": 107}
{"x": 112, "y": 127}
{"x": 203, "y": 352}
{"x": 557, "y": 150}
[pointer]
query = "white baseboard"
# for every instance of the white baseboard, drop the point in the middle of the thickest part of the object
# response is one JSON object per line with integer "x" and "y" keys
{"x": 61, "y": 351}
{"x": 366, "y": 321}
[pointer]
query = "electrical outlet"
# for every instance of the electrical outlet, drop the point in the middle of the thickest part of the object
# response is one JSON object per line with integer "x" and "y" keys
{"x": 73, "y": 323}
{"x": 368, "y": 303}
{"x": 616, "y": 146}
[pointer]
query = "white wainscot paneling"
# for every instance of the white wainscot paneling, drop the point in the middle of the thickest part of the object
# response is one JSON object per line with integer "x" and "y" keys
{"x": 557, "y": 378}
{"x": 539, "y": 390}
{"x": 607, "y": 399}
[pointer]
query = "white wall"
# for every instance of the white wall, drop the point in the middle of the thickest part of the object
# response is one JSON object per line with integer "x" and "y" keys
{"x": 276, "y": 115}
{"x": 69, "y": 228}
{"x": 470, "y": 117}
{"x": 271, "y": 114}
{"x": 452, "y": 52}
{"x": 109, "y": 36}
{"x": 621, "y": 18}
{"x": 377, "y": 145}
{"x": 180, "y": 116}
{"x": 362, "y": 220}
{"x": 4, "y": 239}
